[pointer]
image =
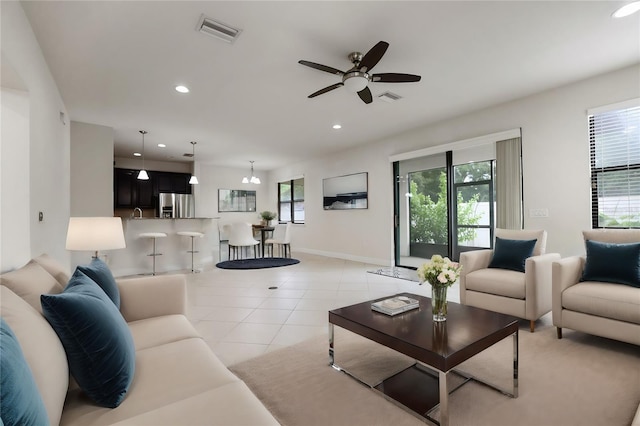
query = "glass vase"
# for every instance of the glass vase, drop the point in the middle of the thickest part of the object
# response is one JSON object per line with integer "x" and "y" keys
{"x": 439, "y": 303}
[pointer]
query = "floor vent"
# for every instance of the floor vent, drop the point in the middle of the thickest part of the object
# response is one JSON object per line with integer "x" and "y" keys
{"x": 217, "y": 29}
{"x": 389, "y": 97}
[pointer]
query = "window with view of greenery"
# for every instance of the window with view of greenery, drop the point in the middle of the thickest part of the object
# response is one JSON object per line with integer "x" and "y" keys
{"x": 615, "y": 168}
{"x": 291, "y": 203}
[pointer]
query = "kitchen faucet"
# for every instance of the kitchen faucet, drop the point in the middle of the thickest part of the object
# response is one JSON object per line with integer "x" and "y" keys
{"x": 134, "y": 212}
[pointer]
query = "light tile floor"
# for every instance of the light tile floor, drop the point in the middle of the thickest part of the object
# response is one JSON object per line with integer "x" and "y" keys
{"x": 241, "y": 318}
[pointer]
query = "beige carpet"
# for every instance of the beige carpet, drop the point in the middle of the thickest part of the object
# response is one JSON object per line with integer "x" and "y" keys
{"x": 579, "y": 380}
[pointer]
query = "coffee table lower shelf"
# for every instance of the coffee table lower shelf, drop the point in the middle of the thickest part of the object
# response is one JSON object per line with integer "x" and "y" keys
{"x": 416, "y": 389}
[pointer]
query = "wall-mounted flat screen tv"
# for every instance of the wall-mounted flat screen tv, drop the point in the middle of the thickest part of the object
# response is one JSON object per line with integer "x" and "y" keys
{"x": 345, "y": 192}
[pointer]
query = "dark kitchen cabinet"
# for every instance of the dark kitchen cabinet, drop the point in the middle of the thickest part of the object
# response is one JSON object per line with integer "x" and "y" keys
{"x": 124, "y": 194}
{"x": 129, "y": 192}
{"x": 173, "y": 182}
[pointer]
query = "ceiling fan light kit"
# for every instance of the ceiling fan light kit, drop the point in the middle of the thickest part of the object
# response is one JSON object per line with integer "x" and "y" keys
{"x": 357, "y": 79}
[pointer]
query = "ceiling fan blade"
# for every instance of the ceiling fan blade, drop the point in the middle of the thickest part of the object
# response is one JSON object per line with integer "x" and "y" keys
{"x": 395, "y": 78}
{"x": 365, "y": 95}
{"x": 325, "y": 90}
{"x": 322, "y": 67}
{"x": 373, "y": 56}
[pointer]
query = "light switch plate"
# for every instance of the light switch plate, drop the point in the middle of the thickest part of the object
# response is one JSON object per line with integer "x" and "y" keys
{"x": 538, "y": 212}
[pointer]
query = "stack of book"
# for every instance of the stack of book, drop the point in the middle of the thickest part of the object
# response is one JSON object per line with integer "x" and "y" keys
{"x": 395, "y": 305}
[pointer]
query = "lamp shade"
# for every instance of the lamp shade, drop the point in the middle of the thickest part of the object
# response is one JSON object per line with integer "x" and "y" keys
{"x": 193, "y": 180}
{"x": 143, "y": 175}
{"x": 95, "y": 233}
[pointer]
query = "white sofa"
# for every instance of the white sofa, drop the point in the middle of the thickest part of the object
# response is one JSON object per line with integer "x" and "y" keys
{"x": 178, "y": 380}
{"x": 600, "y": 308}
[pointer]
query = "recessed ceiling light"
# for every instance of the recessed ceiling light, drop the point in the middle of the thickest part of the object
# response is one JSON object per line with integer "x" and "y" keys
{"x": 182, "y": 89}
{"x": 137, "y": 154}
{"x": 161, "y": 145}
{"x": 627, "y": 9}
{"x": 337, "y": 126}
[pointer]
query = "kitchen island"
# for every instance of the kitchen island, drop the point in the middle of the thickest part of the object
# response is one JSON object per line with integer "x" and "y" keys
{"x": 135, "y": 259}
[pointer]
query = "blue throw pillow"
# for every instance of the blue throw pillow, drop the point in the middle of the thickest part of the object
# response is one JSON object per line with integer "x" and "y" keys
{"x": 20, "y": 400}
{"x": 612, "y": 263}
{"x": 99, "y": 272}
{"x": 511, "y": 254}
{"x": 95, "y": 337}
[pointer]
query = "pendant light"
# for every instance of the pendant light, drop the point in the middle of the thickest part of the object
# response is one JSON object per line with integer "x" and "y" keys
{"x": 253, "y": 179}
{"x": 194, "y": 179}
{"x": 143, "y": 173}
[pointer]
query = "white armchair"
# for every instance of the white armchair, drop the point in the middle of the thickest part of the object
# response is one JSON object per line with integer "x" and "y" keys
{"x": 522, "y": 294}
{"x": 595, "y": 306}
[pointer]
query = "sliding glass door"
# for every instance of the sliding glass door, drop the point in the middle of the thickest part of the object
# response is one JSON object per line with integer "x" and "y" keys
{"x": 435, "y": 216}
{"x": 475, "y": 206}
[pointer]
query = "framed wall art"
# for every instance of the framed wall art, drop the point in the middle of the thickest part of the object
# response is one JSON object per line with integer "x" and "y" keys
{"x": 236, "y": 200}
{"x": 345, "y": 192}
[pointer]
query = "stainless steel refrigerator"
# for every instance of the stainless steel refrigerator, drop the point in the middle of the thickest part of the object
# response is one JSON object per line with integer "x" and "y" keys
{"x": 176, "y": 205}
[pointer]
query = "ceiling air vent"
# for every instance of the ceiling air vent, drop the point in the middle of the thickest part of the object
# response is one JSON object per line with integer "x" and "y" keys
{"x": 389, "y": 97}
{"x": 217, "y": 29}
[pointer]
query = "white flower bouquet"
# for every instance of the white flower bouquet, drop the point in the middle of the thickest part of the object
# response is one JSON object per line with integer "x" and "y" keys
{"x": 440, "y": 272}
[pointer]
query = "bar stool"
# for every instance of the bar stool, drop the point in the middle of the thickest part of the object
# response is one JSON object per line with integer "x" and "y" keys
{"x": 192, "y": 234}
{"x": 153, "y": 236}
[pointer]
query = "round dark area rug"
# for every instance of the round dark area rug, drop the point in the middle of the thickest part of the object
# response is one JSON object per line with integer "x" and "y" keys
{"x": 267, "y": 262}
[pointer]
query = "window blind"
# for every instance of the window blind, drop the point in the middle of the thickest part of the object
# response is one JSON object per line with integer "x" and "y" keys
{"x": 615, "y": 167}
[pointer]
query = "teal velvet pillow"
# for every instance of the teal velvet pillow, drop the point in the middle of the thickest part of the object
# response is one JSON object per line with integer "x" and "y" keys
{"x": 612, "y": 263}
{"x": 20, "y": 400}
{"x": 511, "y": 254}
{"x": 99, "y": 272}
{"x": 95, "y": 337}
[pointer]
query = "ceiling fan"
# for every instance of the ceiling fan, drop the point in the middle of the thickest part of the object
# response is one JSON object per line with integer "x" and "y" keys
{"x": 357, "y": 78}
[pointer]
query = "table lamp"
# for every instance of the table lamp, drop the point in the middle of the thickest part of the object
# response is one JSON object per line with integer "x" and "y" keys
{"x": 94, "y": 234}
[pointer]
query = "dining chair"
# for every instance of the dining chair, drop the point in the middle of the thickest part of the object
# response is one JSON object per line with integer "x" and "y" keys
{"x": 223, "y": 238}
{"x": 241, "y": 236}
{"x": 281, "y": 237}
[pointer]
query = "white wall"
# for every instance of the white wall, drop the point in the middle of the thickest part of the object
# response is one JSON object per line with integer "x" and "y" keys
{"x": 47, "y": 189}
{"x": 92, "y": 170}
{"x": 14, "y": 179}
{"x": 555, "y": 146}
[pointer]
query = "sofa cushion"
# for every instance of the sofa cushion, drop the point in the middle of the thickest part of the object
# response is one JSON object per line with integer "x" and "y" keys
{"x": 30, "y": 281}
{"x": 501, "y": 282}
{"x": 615, "y": 301}
{"x": 42, "y": 349}
{"x": 20, "y": 401}
{"x": 232, "y": 404}
{"x": 165, "y": 374}
{"x": 95, "y": 337}
{"x": 99, "y": 272}
{"x": 54, "y": 268}
{"x": 511, "y": 254}
{"x": 151, "y": 332}
{"x": 612, "y": 263}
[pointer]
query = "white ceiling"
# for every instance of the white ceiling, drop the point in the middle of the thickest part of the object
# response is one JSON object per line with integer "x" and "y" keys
{"x": 116, "y": 64}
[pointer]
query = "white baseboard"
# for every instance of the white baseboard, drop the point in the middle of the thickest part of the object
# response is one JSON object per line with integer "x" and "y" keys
{"x": 346, "y": 256}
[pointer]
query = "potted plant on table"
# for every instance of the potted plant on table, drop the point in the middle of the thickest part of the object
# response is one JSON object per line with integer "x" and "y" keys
{"x": 267, "y": 217}
{"x": 441, "y": 273}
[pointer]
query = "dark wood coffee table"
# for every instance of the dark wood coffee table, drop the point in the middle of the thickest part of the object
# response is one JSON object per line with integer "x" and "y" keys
{"x": 437, "y": 348}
